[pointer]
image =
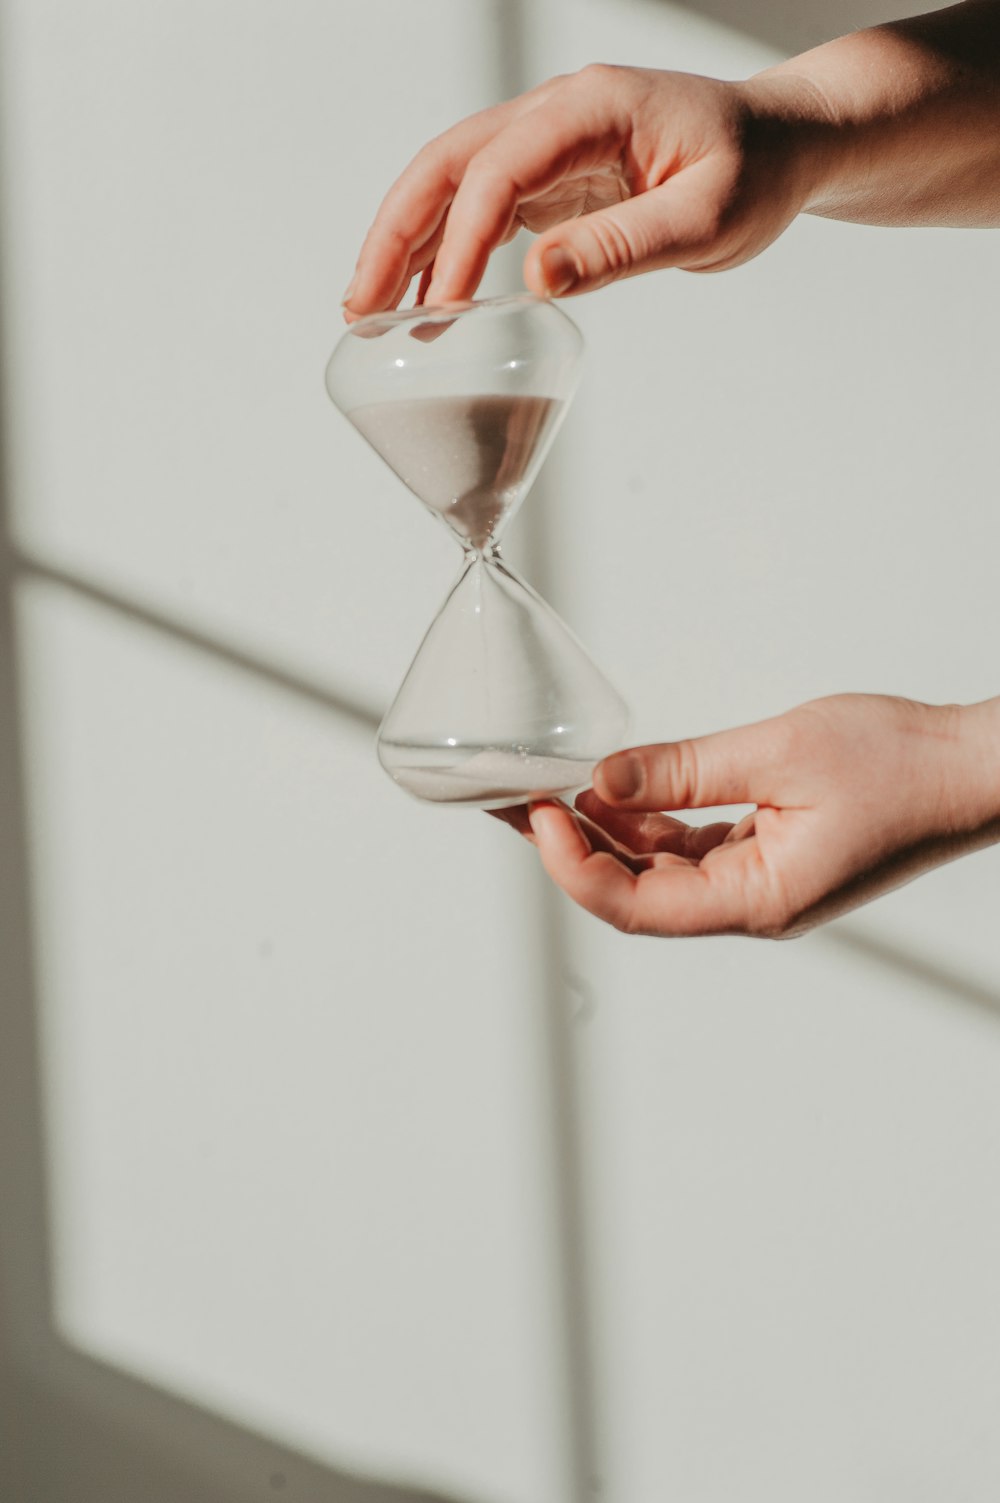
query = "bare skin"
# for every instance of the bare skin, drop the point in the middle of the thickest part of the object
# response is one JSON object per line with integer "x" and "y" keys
{"x": 621, "y": 171}
{"x": 627, "y": 170}
{"x": 855, "y": 794}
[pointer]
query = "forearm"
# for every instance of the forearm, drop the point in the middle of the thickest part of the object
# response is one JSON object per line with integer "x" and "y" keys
{"x": 899, "y": 124}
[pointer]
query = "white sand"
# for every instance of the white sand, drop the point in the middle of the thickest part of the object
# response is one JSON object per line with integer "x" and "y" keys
{"x": 493, "y": 779}
{"x": 465, "y": 457}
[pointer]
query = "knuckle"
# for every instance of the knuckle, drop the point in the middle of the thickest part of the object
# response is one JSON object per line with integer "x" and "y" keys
{"x": 686, "y": 774}
{"x": 487, "y": 194}
{"x": 484, "y": 173}
{"x": 597, "y": 74}
{"x": 613, "y": 244}
{"x": 442, "y": 157}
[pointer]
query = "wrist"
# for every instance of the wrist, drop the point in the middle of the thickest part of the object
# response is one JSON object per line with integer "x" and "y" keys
{"x": 898, "y": 123}
{"x": 801, "y": 127}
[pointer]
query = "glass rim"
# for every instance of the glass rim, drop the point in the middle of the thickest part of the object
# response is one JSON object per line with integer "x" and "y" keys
{"x": 440, "y": 313}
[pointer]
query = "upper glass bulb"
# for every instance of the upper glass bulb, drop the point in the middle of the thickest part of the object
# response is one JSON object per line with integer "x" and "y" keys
{"x": 462, "y": 401}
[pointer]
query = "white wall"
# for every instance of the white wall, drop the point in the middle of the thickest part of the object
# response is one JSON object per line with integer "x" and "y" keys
{"x": 293, "y": 1066}
{"x": 328, "y": 1159}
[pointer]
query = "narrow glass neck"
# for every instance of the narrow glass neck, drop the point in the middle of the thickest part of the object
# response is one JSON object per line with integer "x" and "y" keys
{"x": 489, "y": 553}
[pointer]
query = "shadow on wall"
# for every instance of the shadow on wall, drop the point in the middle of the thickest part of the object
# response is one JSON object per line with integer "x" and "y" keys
{"x": 115, "y": 1439}
{"x": 791, "y": 26}
{"x": 73, "y": 1429}
{"x": 81, "y": 1431}
{"x": 922, "y": 970}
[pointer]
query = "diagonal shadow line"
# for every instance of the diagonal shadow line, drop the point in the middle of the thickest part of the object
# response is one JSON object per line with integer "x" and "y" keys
{"x": 74, "y": 1429}
{"x": 126, "y": 1440}
{"x": 921, "y": 969}
{"x": 365, "y": 716}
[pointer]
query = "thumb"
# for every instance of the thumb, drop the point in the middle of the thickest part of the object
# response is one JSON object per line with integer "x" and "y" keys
{"x": 671, "y": 225}
{"x": 731, "y": 767}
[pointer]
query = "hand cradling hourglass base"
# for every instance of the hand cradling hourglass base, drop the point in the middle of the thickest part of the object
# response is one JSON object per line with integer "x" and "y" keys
{"x": 501, "y": 704}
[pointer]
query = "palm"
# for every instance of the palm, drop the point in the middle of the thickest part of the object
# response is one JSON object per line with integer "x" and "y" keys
{"x": 574, "y": 196}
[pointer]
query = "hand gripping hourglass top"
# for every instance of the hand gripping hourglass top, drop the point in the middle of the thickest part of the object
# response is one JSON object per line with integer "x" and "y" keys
{"x": 501, "y": 703}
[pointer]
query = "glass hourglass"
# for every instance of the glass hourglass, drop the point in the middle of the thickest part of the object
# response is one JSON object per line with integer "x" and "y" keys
{"x": 501, "y": 703}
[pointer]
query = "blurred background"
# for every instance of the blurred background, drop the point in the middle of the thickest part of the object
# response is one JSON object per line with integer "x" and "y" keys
{"x": 340, "y": 1159}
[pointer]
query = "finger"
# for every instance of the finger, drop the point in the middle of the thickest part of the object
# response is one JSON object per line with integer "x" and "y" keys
{"x": 671, "y": 225}
{"x": 425, "y": 282}
{"x": 518, "y": 817}
{"x": 672, "y": 900}
{"x": 746, "y": 827}
{"x": 422, "y": 262}
{"x": 594, "y": 879}
{"x": 705, "y": 838}
{"x": 641, "y": 832}
{"x": 653, "y": 833}
{"x": 557, "y": 140}
{"x": 747, "y": 765}
{"x": 415, "y": 207}
{"x": 422, "y": 259}
{"x": 603, "y": 840}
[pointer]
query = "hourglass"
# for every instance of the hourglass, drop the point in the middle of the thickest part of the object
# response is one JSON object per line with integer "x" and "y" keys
{"x": 501, "y": 703}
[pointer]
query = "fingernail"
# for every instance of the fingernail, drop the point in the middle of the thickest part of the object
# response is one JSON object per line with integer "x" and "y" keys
{"x": 352, "y": 287}
{"x": 622, "y": 776}
{"x": 559, "y": 270}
